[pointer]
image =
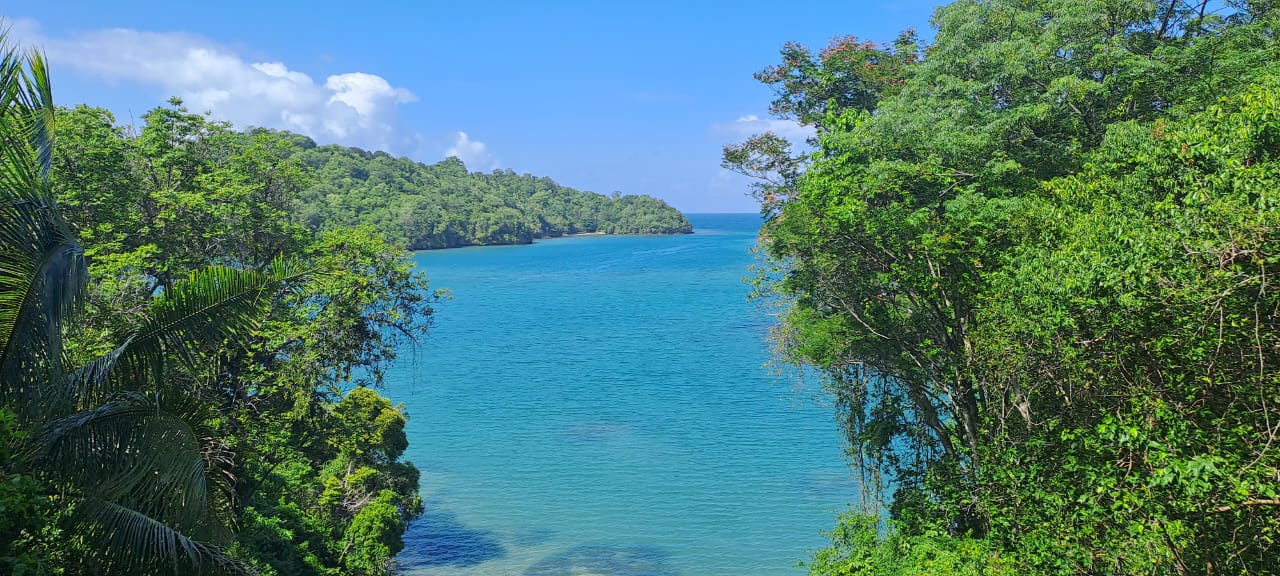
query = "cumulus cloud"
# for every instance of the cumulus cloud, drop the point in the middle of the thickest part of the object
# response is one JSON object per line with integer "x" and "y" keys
{"x": 751, "y": 124}
{"x": 354, "y": 108}
{"x": 473, "y": 153}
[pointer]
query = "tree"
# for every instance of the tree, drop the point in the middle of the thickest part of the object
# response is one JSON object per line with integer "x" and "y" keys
{"x": 1147, "y": 371}
{"x": 206, "y": 196}
{"x": 116, "y": 441}
{"x": 213, "y": 378}
{"x": 443, "y": 206}
{"x": 1007, "y": 266}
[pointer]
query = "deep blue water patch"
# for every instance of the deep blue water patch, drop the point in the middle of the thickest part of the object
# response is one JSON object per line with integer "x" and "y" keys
{"x": 605, "y": 561}
{"x": 438, "y": 538}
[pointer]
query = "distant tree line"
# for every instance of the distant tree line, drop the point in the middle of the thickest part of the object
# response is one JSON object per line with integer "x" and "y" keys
{"x": 443, "y": 205}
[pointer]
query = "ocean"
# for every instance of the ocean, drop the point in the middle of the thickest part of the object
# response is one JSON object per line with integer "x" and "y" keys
{"x": 607, "y": 405}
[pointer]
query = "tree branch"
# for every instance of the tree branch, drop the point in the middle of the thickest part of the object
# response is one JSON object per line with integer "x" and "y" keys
{"x": 1251, "y": 503}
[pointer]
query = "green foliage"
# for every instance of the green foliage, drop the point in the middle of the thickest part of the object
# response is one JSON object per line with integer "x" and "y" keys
{"x": 339, "y": 505}
{"x": 858, "y": 548}
{"x": 374, "y": 537}
{"x": 176, "y": 378}
{"x": 443, "y": 206}
{"x": 183, "y": 193}
{"x": 119, "y": 441}
{"x": 847, "y": 75}
{"x": 1160, "y": 252}
{"x": 24, "y": 511}
{"x": 91, "y": 171}
{"x": 111, "y": 446}
{"x": 1036, "y": 266}
{"x": 369, "y": 427}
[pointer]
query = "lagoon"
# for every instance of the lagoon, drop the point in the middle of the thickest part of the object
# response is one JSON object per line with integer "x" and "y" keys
{"x": 604, "y": 405}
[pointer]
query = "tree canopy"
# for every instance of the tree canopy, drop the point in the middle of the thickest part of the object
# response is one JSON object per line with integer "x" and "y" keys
{"x": 188, "y": 371}
{"x": 1033, "y": 260}
{"x": 443, "y": 205}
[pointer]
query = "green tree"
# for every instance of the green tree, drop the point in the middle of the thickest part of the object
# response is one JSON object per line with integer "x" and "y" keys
{"x": 1009, "y": 252}
{"x": 1153, "y": 432}
{"x": 148, "y": 412}
{"x": 443, "y": 206}
{"x": 116, "y": 442}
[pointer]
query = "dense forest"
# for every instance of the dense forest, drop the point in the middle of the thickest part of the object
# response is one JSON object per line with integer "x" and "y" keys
{"x": 419, "y": 206}
{"x": 186, "y": 371}
{"x": 443, "y": 205}
{"x": 1036, "y": 261}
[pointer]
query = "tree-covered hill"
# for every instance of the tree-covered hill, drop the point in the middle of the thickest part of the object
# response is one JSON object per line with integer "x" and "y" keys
{"x": 443, "y": 205}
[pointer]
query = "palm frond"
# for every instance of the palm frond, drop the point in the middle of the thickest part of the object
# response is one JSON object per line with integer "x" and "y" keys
{"x": 120, "y": 447}
{"x": 40, "y": 101}
{"x": 211, "y": 306}
{"x": 26, "y": 109}
{"x": 133, "y": 542}
{"x": 92, "y": 384}
{"x": 139, "y": 453}
{"x": 42, "y": 269}
{"x": 42, "y": 282}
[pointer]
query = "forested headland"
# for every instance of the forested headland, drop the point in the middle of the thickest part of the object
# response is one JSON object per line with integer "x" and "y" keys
{"x": 443, "y": 206}
{"x": 1036, "y": 260}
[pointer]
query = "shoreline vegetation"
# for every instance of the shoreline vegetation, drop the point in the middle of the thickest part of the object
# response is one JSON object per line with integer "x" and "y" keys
{"x": 556, "y": 237}
{"x": 443, "y": 205}
{"x": 188, "y": 373}
{"x": 1035, "y": 259}
{"x": 570, "y": 234}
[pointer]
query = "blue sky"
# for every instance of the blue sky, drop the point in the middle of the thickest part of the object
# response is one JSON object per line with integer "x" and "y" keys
{"x": 603, "y": 96}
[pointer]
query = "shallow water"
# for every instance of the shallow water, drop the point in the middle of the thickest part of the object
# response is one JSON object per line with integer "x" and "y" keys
{"x": 600, "y": 405}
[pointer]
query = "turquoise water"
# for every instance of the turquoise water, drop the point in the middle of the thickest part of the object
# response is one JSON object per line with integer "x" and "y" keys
{"x": 600, "y": 405}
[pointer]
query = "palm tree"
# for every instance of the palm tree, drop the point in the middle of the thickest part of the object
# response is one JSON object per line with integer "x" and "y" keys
{"x": 140, "y": 486}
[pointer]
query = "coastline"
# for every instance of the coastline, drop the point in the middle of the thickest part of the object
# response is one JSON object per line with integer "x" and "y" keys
{"x": 542, "y": 238}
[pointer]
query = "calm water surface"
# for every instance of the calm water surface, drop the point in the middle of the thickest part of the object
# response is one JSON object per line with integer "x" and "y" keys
{"x": 599, "y": 405}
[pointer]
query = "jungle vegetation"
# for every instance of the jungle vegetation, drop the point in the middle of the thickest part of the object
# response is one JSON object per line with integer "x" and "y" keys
{"x": 411, "y": 204}
{"x": 443, "y": 205}
{"x": 187, "y": 372}
{"x": 1036, "y": 260}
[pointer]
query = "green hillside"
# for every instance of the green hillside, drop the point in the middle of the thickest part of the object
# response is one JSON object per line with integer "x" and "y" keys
{"x": 443, "y": 205}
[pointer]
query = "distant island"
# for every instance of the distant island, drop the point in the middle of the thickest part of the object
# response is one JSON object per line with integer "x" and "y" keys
{"x": 442, "y": 205}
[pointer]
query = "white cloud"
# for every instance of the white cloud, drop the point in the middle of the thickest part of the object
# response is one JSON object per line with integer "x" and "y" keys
{"x": 473, "y": 153}
{"x": 355, "y": 108}
{"x": 751, "y": 125}
{"x": 364, "y": 91}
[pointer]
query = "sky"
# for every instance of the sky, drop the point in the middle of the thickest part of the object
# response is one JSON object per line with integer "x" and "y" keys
{"x": 636, "y": 97}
